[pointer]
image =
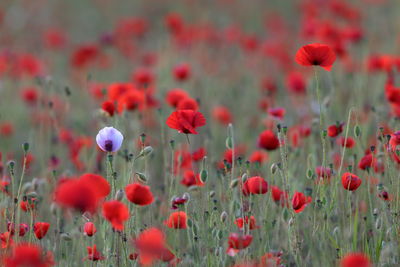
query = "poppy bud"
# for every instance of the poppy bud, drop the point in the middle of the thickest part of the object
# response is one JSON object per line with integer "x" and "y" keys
{"x": 357, "y": 131}
{"x": 146, "y": 151}
{"x": 234, "y": 183}
{"x": 141, "y": 177}
{"x": 119, "y": 194}
{"x": 26, "y": 187}
{"x": 172, "y": 144}
{"x": 65, "y": 237}
{"x": 186, "y": 196}
{"x": 53, "y": 209}
{"x": 274, "y": 168}
{"x": 223, "y": 217}
{"x": 229, "y": 142}
{"x": 203, "y": 175}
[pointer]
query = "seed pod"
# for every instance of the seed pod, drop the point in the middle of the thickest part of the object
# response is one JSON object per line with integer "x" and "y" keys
{"x": 25, "y": 147}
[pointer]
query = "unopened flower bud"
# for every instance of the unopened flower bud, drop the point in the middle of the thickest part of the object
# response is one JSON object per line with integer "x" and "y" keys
{"x": 224, "y": 216}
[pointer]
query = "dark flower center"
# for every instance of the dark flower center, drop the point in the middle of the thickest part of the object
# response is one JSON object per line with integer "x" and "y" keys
{"x": 316, "y": 62}
{"x": 108, "y": 145}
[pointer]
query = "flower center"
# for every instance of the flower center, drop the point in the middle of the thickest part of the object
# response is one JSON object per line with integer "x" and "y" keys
{"x": 108, "y": 145}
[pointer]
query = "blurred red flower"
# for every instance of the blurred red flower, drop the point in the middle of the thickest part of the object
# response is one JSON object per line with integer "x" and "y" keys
{"x": 317, "y": 55}
{"x": 186, "y": 121}
{"x": 139, "y": 194}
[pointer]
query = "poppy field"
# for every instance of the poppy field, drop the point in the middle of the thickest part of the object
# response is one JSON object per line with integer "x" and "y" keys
{"x": 200, "y": 133}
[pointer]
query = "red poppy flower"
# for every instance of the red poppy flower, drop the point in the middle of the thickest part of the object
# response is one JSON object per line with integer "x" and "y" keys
{"x": 116, "y": 213}
{"x": 271, "y": 259}
{"x": 323, "y": 173}
{"x": 255, "y": 185}
{"x": 22, "y": 228}
{"x": 355, "y": 260}
{"x": 277, "y": 113}
{"x": 317, "y": 55}
{"x": 346, "y": 142}
{"x": 108, "y": 107}
{"x": 199, "y": 154}
{"x": 394, "y": 141}
{"x": 54, "y": 38}
{"x": 258, "y": 156}
{"x": 188, "y": 103}
{"x": 85, "y": 55}
{"x": 177, "y": 220}
{"x": 334, "y": 130}
{"x": 94, "y": 254}
{"x": 222, "y": 115}
{"x": 6, "y": 240}
{"x": 151, "y": 246}
{"x": 384, "y": 195}
{"x": 280, "y": 196}
{"x": 26, "y": 254}
{"x": 350, "y": 181}
{"x": 366, "y": 162}
{"x": 40, "y": 229}
{"x": 190, "y": 179}
{"x": 30, "y": 95}
{"x": 237, "y": 242}
{"x": 300, "y": 201}
{"x": 100, "y": 184}
{"x": 83, "y": 194}
{"x": 247, "y": 221}
{"x": 143, "y": 77}
{"x": 89, "y": 229}
{"x": 175, "y": 96}
{"x": 296, "y": 83}
{"x": 116, "y": 90}
{"x": 182, "y": 72}
{"x": 139, "y": 194}
{"x": 27, "y": 205}
{"x": 130, "y": 101}
{"x": 186, "y": 121}
{"x": 268, "y": 140}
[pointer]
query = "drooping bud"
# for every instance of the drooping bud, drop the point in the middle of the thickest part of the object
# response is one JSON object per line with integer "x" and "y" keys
{"x": 223, "y": 217}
